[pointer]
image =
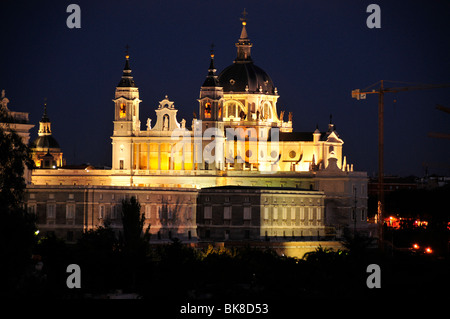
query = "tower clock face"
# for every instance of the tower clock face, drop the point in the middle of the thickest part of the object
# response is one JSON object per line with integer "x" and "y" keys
{"x": 123, "y": 110}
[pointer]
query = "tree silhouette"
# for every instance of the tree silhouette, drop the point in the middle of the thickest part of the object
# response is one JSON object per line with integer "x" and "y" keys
{"x": 134, "y": 241}
{"x": 17, "y": 227}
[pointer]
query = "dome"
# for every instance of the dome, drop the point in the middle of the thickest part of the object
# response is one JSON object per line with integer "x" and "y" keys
{"x": 237, "y": 76}
{"x": 46, "y": 141}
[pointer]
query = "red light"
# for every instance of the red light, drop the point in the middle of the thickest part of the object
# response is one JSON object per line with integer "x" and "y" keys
{"x": 428, "y": 250}
{"x": 415, "y": 246}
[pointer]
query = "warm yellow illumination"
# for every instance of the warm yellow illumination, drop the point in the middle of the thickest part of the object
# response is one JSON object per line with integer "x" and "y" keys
{"x": 123, "y": 110}
{"x": 244, "y": 23}
{"x": 428, "y": 250}
{"x": 207, "y": 110}
{"x": 127, "y": 57}
{"x": 415, "y": 246}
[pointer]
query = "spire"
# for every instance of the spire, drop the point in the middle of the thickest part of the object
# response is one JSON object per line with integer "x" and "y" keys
{"x": 44, "y": 116}
{"x": 244, "y": 35}
{"x": 127, "y": 79}
{"x": 44, "y": 123}
{"x": 211, "y": 79}
{"x": 243, "y": 45}
{"x": 212, "y": 70}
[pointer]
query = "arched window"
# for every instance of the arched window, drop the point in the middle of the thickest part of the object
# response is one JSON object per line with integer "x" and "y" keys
{"x": 266, "y": 110}
{"x": 208, "y": 110}
{"x": 123, "y": 110}
{"x": 233, "y": 109}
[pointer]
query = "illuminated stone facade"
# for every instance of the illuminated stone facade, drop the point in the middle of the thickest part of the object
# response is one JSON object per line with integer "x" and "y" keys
{"x": 238, "y": 140}
{"x": 46, "y": 152}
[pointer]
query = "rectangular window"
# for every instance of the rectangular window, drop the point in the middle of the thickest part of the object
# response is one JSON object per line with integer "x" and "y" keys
{"x": 147, "y": 211}
{"x": 121, "y": 164}
{"x": 113, "y": 212}
{"x": 70, "y": 196}
{"x": 302, "y": 212}
{"x": 247, "y": 213}
{"x": 284, "y": 212}
{"x": 189, "y": 213}
{"x": 32, "y": 209}
{"x": 227, "y": 212}
{"x": 101, "y": 212}
{"x": 363, "y": 214}
{"x": 169, "y": 212}
{"x": 51, "y": 211}
{"x": 266, "y": 212}
{"x": 293, "y": 211}
{"x": 70, "y": 211}
{"x": 158, "y": 213}
{"x": 208, "y": 212}
{"x": 318, "y": 213}
{"x": 311, "y": 213}
{"x": 275, "y": 213}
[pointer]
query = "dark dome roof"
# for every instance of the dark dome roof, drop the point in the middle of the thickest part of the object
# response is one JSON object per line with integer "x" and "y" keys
{"x": 46, "y": 141}
{"x": 237, "y": 76}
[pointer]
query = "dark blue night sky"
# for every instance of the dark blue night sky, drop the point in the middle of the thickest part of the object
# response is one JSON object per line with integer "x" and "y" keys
{"x": 316, "y": 52}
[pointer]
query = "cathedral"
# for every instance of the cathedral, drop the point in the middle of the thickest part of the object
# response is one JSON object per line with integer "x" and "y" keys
{"x": 238, "y": 171}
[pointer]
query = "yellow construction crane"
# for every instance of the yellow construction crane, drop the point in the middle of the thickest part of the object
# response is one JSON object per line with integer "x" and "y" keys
{"x": 381, "y": 90}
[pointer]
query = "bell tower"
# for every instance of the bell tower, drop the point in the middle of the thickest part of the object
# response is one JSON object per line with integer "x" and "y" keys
{"x": 126, "y": 118}
{"x": 211, "y": 116}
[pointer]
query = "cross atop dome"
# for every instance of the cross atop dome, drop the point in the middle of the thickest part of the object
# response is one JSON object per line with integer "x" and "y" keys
{"x": 244, "y": 19}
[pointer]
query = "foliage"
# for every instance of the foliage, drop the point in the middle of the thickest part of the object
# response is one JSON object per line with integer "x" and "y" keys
{"x": 133, "y": 224}
{"x": 17, "y": 227}
{"x": 356, "y": 242}
{"x": 14, "y": 156}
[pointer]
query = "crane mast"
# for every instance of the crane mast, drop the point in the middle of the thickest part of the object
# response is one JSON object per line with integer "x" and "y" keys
{"x": 361, "y": 95}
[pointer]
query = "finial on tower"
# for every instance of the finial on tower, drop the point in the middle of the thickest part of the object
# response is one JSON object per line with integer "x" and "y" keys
{"x": 127, "y": 56}
{"x": 45, "y": 116}
{"x": 212, "y": 50}
{"x": 244, "y": 19}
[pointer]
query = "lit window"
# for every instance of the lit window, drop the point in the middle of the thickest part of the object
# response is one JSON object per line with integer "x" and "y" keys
{"x": 275, "y": 213}
{"x": 123, "y": 110}
{"x": 284, "y": 212}
{"x": 207, "y": 110}
{"x": 311, "y": 213}
{"x": 266, "y": 213}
